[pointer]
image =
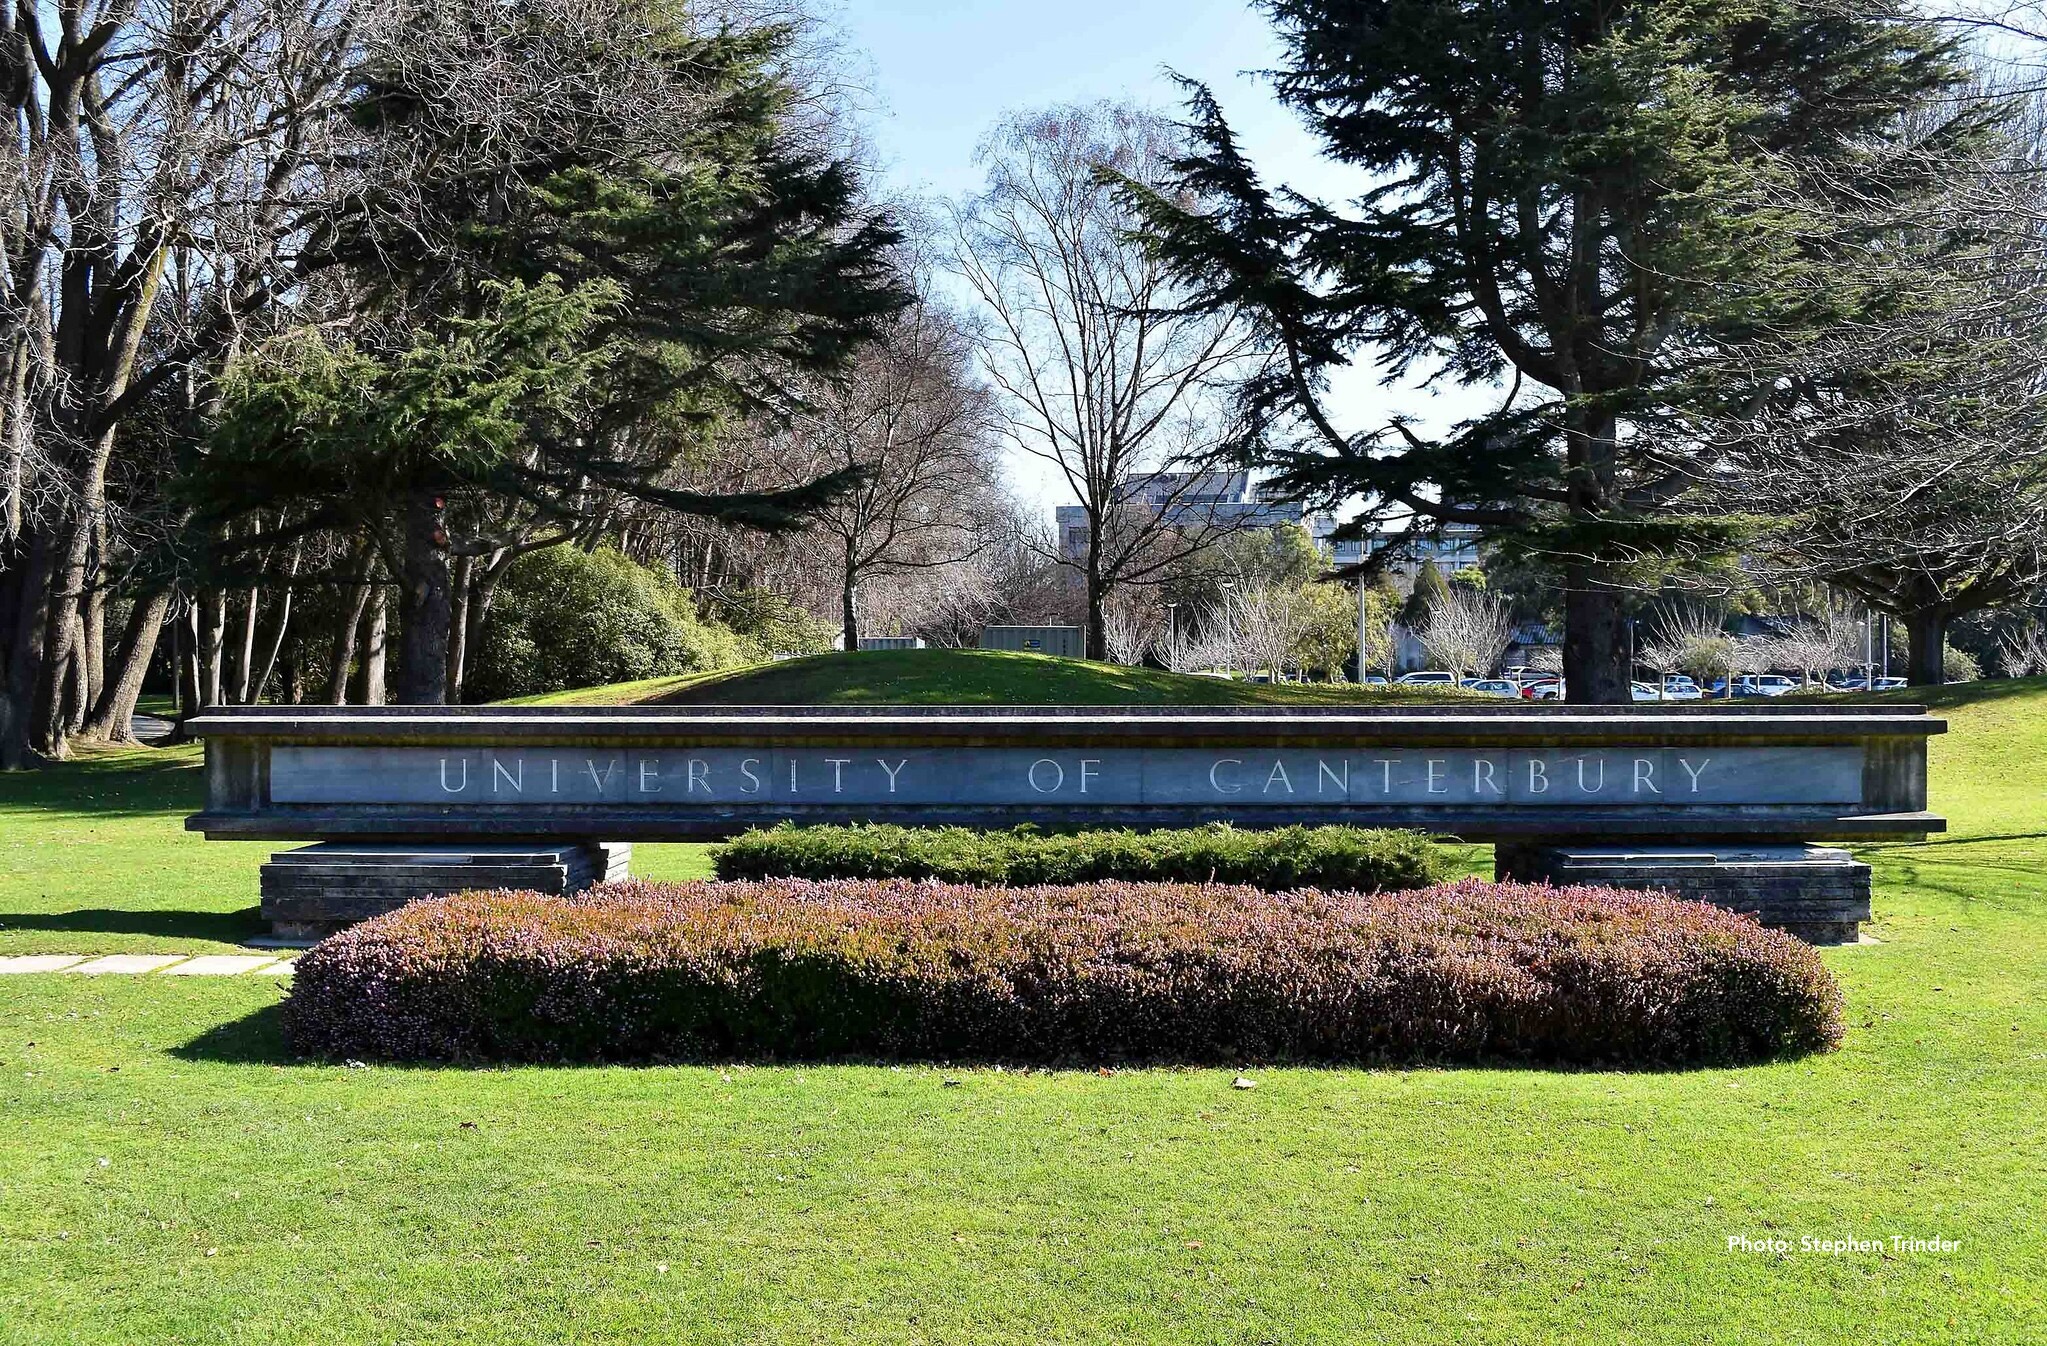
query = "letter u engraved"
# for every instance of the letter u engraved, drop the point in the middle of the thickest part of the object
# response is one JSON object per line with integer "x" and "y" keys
{"x": 1598, "y": 785}
{"x": 460, "y": 785}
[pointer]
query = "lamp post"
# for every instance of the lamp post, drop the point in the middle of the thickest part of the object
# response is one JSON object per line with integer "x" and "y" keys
{"x": 1361, "y": 628}
{"x": 1173, "y": 634}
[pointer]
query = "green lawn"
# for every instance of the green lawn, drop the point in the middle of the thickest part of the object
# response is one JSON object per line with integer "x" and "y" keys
{"x": 971, "y": 677}
{"x": 170, "y": 1175}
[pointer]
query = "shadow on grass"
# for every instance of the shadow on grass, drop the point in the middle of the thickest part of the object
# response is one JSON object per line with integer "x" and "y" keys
{"x": 226, "y": 927}
{"x": 253, "y": 1040}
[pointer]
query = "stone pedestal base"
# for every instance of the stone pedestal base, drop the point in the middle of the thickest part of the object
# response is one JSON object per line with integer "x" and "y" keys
{"x": 1818, "y": 893}
{"x": 315, "y": 890}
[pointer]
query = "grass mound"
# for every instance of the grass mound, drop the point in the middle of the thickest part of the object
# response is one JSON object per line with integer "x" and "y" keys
{"x": 970, "y": 677}
{"x": 1351, "y": 859}
{"x": 1104, "y": 972}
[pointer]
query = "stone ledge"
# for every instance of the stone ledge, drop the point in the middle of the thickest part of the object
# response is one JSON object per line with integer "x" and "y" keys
{"x": 1819, "y": 893}
{"x": 315, "y": 890}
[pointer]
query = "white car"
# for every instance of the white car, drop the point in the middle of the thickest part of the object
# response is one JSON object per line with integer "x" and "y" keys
{"x": 1492, "y": 687}
{"x": 1644, "y": 692}
{"x": 1428, "y": 679}
{"x": 1764, "y": 684}
{"x": 1678, "y": 687}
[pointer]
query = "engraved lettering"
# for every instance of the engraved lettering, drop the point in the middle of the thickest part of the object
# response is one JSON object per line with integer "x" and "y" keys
{"x": 1694, "y": 771}
{"x": 1435, "y": 772}
{"x": 699, "y": 774}
{"x": 839, "y": 765}
{"x": 1278, "y": 775}
{"x": 1482, "y": 776}
{"x": 1386, "y": 774}
{"x": 1591, "y": 789}
{"x": 650, "y": 775}
{"x": 1058, "y": 775}
{"x": 1538, "y": 776}
{"x": 1323, "y": 773}
{"x": 1090, "y": 767}
{"x": 893, "y": 771}
{"x": 498, "y": 773}
{"x": 1645, "y": 774}
{"x": 1216, "y": 783}
{"x": 753, "y": 782}
{"x": 459, "y": 786}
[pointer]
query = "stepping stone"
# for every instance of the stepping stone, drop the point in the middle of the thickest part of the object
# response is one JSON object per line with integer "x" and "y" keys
{"x": 219, "y": 965}
{"x": 39, "y": 962}
{"x": 130, "y": 963}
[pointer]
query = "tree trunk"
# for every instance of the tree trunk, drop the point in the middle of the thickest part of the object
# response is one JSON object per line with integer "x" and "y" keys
{"x": 114, "y": 713}
{"x": 245, "y": 653}
{"x": 212, "y": 646}
{"x": 192, "y": 693}
{"x": 1095, "y": 639}
{"x": 77, "y": 697}
{"x": 849, "y": 603}
{"x": 373, "y": 648}
{"x": 425, "y": 611}
{"x": 95, "y": 648}
{"x": 1596, "y": 661}
{"x": 345, "y": 635}
{"x": 284, "y": 604}
{"x": 478, "y": 611}
{"x": 1926, "y": 647}
{"x": 458, "y": 628}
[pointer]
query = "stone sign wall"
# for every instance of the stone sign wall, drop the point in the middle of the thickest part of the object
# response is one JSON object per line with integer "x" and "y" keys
{"x": 542, "y": 778}
{"x": 1714, "y": 801}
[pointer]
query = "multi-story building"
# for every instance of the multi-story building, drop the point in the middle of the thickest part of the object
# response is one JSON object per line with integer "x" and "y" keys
{"x": 1211, "y": 499}
{"x": 1450, "y": 548}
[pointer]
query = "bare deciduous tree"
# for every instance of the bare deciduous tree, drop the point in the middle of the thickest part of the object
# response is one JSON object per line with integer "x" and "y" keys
{"x": 161, "y": 184}
{"x": 1467, "y": 631}
{"x": 910, "y": 415}
{"x": 1103, "y": 376}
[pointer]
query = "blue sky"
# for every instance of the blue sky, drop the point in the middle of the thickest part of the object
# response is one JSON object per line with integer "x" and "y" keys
{"x": 945, "y": 72}
{"x": 942, "y": 73}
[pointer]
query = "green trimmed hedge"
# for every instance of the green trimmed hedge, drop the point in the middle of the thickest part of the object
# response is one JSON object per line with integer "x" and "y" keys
{"x": 1352, "y": 859}
{"x": 1081, "y": 974}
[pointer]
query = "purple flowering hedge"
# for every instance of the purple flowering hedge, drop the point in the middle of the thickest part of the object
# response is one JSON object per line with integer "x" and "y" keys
{"x": 1091, "y": 973}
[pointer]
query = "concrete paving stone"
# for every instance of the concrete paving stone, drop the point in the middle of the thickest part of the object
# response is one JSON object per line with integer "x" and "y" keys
{"x": 219, "y": 965}
{"x": 40, "y": 962}
{"x": 129, "y": 963}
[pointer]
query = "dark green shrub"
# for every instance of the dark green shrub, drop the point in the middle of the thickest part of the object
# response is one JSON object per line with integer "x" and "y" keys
{"x": 1335, "y": 858}
{"x": 564, "y": 618}
{"x": 1112, "y": 971}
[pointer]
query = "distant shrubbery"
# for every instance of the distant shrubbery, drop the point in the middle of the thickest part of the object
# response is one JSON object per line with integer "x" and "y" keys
{"x": 1334, "y": 858}
{"x": 1105, "y": 972}
{"x": 566, "y": 618}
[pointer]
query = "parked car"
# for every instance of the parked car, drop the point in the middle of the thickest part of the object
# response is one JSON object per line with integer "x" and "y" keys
{"x": 1491, "y": 687}
{"x": 1644, "y": 692}
{"x": 1431, "y": 678}
{"x": 1678, "y": 687}
{"x": 1888, "y": 684}
{"x": 1374, "y": 680}
{"x": 1764, "y": 684}
{"x": 1543, "y": 689}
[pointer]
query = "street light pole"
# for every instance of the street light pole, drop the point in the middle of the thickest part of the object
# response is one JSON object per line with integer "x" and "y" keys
{"x": 1173, "y": 634}
{"x": 1361, "y": 629}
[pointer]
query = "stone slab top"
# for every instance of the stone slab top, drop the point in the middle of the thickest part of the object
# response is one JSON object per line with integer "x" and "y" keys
{"x": 1509, "y": 723}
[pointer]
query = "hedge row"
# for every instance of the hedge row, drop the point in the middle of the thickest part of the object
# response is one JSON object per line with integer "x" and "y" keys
{"x": 1465, "y": 972}
{"x": 1331, "y": 858}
